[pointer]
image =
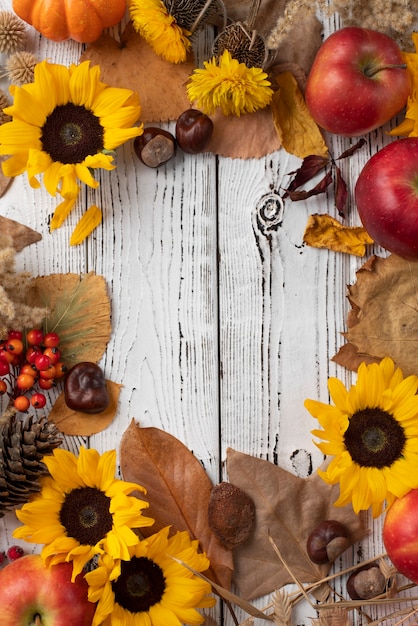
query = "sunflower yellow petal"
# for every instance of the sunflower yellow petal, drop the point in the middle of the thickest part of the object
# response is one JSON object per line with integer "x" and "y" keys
{"x": 62, "y": 212}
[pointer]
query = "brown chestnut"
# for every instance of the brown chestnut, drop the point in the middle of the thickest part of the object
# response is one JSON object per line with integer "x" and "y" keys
{"x": 85, "y": 388}
{"x": 366, "y": 582}
{"x": 155, "y": 146}
{"x": 193, "y": 131}
{"x": 327, "y": 541}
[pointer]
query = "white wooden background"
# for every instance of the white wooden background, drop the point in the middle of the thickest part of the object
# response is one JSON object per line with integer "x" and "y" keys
{"x": 223, "y": 321}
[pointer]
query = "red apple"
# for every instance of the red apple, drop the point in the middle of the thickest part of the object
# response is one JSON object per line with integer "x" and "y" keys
{"x": 386, "y": 194}
{"x": 346, "y": 93}
{"x": 400, "y": 534}
{"x": 29, "y": 590}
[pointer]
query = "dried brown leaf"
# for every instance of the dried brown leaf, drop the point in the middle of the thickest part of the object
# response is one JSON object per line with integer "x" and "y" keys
{"x": 299, "y": 133}
{"x": 287, "y": 509}
{"x": 132, "y": 64}
{"x": 21, "y": 235}
{"x": 80, "y": 424}
{"x": 79, "y": 312}
{"x": 383, "y": 320}
{"x": 178, "y": 490}
{"x": 249, "y": 136}
{"x": 323, "y": 231}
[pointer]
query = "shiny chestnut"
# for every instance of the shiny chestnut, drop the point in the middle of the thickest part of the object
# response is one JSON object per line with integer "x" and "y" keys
{"x": 194, "y": 131}
{"x": 85, "y": 388}
{"x": 327, "y": 541}
{"x": 155, "y": 146}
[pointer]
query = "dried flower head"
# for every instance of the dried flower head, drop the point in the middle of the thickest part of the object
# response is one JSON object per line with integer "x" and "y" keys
{"x": 15, "y": 308}
{"x": 20, "y": 67}
{"x": 245, "y": 45}
{"x": 4, "y": 102}
{"x": 12, "y": 32}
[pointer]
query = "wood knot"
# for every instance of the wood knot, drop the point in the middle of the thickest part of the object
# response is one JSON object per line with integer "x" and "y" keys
{"x": 270, "y": 212}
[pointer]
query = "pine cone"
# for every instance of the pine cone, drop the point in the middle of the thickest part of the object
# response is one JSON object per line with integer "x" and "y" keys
{"x": 23, "y": 444}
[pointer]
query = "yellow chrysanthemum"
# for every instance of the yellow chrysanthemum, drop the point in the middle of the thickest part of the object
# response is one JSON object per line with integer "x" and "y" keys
{"x": 372, "y": 433}
{"x": 82, "y": 510}
{"x": 64, "y": 125}
{"x": 160, "y": 30}
{"x": 151, "y": 588}
{"x": 230, "y": 85}
{"x": 409, "y": 126}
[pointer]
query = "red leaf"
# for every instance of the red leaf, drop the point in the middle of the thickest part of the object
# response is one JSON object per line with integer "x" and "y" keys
{"x": 352, "y": 150}
{"x": 321, "y": 187}
{"x": 311, "y": 166}
{"x": 340, "y": 192}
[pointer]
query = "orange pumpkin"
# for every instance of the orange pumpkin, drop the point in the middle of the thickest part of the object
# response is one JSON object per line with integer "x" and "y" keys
{"x": 81, "y": 20}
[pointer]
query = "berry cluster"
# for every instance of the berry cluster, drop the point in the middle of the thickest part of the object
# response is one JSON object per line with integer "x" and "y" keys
{"x": 28, "y": 366}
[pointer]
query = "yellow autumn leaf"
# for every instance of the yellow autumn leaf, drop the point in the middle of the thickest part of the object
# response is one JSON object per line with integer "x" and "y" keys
{"x": 323, "y": 231}
{"x": 298, "y": 132}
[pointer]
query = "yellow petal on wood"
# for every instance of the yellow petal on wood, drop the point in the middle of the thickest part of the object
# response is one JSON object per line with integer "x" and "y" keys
{"x": 298, "y": 132}
{"x": 88, "y": 222}
{"x": 79, "y": 312}
{"x": 21, "y": 235}
{"x": 80, "y": 424}
{"x": 323, "y": 231}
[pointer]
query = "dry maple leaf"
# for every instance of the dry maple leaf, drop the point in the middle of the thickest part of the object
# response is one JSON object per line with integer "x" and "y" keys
{"x": 383, "y": 320}
{"x": 21, "y": 235}
{"x": 79, "y": 311}
{"x": 287, "y": 510}
{"x": 178, "y": 490}
{"x": 80, "y": 424}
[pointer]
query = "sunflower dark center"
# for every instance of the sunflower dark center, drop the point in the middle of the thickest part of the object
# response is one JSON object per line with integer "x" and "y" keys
{"x": 374, "y": 438}
{"x": 141, "y": 584}
{"x": 85, "y": 515}
{"x": 70, "y": 133}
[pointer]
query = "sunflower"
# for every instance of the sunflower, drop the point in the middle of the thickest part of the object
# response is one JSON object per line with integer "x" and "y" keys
{"x": 372, "y": 433}
{"x": 82, "y": 510}
{"x": 151, "y": 588}
{"x": 160, "y": 29}
{"x": 409, "y": 126}
{"x": 65, "y": 124}
{"x": 226, "y": 83}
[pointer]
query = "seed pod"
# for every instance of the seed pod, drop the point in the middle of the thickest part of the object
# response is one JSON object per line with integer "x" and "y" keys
{"x": 231, "y": 514}
{"x": 366, "y": 583}
{"x": 245, "y": 46}
{"x": 192, "y": 15}
{"x": 326, "y": 542}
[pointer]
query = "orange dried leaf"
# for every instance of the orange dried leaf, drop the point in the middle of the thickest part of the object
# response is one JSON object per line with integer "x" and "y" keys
{"x": 383, "y": 318}
{"x": 81, "y": 424}
{"x": 297, "y": 130}
{"x": 323, "y": 231}
{"x": 132, "y": 64}
{"x": 178, "y": 490}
